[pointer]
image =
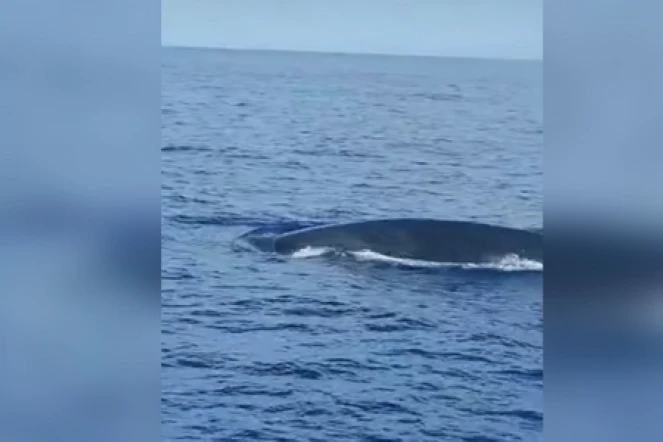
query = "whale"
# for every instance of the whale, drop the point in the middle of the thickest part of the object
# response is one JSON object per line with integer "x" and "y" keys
{"x": 445, "y": 241}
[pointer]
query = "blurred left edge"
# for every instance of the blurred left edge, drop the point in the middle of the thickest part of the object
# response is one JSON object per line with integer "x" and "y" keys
{"x": 79, "y": 221}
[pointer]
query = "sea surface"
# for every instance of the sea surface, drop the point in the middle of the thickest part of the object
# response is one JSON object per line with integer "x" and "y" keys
{"x": 304, "y": 348}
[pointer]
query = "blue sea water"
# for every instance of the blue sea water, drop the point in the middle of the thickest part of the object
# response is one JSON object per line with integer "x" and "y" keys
{"x": 259, "y": 348}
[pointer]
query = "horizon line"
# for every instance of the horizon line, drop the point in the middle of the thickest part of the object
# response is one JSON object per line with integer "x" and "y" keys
{"x": 347, "y": 53}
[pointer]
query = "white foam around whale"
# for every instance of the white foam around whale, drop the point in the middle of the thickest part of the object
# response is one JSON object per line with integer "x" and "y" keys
{"x": 509, "y": 263}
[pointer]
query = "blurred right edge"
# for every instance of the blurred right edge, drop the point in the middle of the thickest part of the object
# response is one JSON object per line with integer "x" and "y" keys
{"x": 603, "y": 221}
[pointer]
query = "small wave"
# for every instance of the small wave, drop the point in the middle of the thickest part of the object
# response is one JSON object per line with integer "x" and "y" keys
{"x": 216, "y": 220}
{"x": 312, "y": 252}
{"x": 300, "y": 371}
{"x": 369, "y": 255}
{"x": 183, "y": 148}
{"x": 274, "y": 229}
{"x": 508, "y": 263}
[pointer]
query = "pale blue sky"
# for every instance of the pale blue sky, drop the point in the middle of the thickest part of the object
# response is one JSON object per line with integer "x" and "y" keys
{"x": 466, "y": 28}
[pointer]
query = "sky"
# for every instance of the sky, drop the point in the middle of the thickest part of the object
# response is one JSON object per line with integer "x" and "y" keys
{"x": 511, "y": 29}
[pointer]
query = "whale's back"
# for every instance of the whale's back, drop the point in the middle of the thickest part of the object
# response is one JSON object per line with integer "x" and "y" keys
{"x": 424, "y": 239}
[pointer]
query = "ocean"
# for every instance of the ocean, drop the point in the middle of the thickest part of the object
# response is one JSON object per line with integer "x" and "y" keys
{"x": 305, "y": 348}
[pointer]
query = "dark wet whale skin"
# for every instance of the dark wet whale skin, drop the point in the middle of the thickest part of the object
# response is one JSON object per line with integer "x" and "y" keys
{"x": 421, "y": 239}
